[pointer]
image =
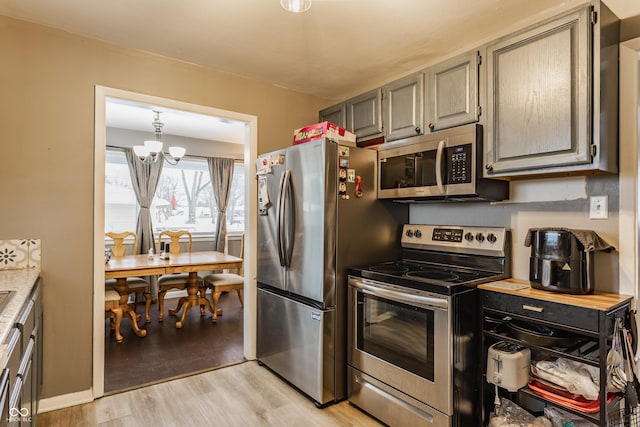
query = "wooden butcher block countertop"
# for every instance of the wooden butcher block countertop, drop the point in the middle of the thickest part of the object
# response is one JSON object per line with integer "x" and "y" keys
{"x": 598, "y": 300}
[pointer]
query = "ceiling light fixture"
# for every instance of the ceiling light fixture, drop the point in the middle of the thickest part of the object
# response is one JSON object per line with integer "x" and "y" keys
{"x": 296, "y": 6}
{"x": 149, "y": 152}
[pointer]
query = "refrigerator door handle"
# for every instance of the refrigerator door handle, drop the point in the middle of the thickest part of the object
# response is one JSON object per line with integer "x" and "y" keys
{"x": 288, "y": 223}
{"x": 280, "y": 219}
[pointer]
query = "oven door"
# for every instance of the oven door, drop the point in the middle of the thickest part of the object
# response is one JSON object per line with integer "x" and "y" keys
{"x": 401, "y": 337}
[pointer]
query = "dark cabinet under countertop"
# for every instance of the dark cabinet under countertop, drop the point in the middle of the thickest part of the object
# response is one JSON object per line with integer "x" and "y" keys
{"x": 588, "y": 319}
{"x": 21, "y": 380}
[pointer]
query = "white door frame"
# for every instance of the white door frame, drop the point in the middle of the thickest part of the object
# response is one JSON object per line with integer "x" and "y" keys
{"x": 250, "y": 154}
{"x": 629, "y": 215}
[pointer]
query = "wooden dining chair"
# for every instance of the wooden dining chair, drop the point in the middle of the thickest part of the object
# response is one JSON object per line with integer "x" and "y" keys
{"x": 113, "y": 311}
{"x": 137, "y": 285}
{"x": 222, "y": 282}
{"x": 179, "y": 281}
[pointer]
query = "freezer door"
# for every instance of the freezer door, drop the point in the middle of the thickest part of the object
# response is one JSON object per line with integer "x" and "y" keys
{"x": 296, "y": 341}
{"x": 270, "y": 271}
{"x": 311, "y": 215}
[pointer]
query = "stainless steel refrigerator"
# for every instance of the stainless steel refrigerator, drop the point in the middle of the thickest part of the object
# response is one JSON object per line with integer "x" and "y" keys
{"x": 318, "y": 214}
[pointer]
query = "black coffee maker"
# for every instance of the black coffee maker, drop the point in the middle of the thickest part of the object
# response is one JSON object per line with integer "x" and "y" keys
{"x": 559, "y": 262}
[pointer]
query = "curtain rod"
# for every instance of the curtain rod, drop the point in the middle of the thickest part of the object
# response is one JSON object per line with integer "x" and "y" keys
{"x": 240, "y": 159}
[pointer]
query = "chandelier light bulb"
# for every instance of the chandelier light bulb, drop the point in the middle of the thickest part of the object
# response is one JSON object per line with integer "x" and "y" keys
{"x": 141, "y": 151}
{"x": 177, "y": 152}
{"x": 154, "y": 147}
{"x": 296, "y": 6}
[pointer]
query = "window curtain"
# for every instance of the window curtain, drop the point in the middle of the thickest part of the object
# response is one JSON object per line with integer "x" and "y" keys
{"x": 145, "y": 178}
{"x": 221, "y": 176}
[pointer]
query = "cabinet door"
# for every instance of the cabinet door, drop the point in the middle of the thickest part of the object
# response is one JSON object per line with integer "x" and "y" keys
{"x": 25, "y": 374}
{"x": 539, "y": 101}
{"x": 335, "y": 114}
{"x": 403, "y": 107}
{"x": 15, "y": 403}
{"x": 27, "y": 399}
{"x": 4, "y": 394}
{"x": 36, "y": 336}
{"x": 364, "y": 117}
{"x": 453, "y": 92}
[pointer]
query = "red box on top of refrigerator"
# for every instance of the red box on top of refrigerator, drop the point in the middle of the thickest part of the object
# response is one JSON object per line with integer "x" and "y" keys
{"x": 324, "y": 130}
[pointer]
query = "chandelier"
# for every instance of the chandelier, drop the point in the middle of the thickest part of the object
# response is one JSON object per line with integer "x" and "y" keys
{"x": 151, "y": 150}
{"x": 296, "y": 5}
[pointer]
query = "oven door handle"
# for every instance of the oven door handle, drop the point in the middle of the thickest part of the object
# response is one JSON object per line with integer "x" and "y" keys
{"x": 415, "y": 300}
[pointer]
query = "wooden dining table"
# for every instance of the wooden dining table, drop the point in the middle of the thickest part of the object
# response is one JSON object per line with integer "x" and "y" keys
{"x": 120, "y": 268}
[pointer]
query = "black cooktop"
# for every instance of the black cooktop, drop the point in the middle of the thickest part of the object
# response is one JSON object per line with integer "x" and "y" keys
{"x": 444, "y": 259}
{"x": 443, "y": 279}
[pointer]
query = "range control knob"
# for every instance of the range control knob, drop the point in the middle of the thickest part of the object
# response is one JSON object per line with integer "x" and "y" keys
{"x": 491, "y": 238}
{"x": 409, "y": 233}
{"x": 468, "y": 237}
{"x": 418, "y": 233}
{"x": 480, "y": 237}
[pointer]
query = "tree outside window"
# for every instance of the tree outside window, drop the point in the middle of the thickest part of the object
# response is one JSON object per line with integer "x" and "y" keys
{"x": 183, "y": 200}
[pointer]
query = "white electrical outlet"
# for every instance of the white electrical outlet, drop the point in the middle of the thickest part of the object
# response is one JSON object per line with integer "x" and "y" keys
{"x": 599, "y": 207}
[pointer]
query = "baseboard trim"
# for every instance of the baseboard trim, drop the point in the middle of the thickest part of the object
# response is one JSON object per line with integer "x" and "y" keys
{"x": 65, "y": 401}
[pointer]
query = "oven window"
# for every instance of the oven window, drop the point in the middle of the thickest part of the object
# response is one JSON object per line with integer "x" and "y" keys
{"x": 397, "y": 333}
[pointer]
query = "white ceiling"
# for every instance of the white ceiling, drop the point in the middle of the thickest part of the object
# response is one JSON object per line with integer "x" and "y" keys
{"x": 338, "y": 48}
{"x": 135, "y": 116}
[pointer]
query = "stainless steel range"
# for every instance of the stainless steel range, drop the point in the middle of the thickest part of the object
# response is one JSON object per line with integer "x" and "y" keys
{"x": 413, "y": 326}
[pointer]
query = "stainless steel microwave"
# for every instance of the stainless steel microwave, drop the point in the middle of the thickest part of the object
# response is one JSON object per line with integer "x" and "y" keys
{"x": 443, "y": 165}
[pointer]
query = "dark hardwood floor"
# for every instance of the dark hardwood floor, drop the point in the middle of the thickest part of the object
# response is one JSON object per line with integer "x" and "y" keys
{"x": 167, "y": 352}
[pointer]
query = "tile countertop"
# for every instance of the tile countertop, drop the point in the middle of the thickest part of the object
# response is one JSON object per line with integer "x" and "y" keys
{"x": 21, "y": 282}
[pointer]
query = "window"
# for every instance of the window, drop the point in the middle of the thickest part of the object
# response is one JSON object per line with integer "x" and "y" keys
{"x": 183, "y": 200}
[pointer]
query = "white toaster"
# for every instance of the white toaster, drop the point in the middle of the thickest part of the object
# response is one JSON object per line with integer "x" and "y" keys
{"x": 508, "y": 365}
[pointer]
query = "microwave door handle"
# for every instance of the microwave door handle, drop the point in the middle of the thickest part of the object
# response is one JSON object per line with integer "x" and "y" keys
{"x": 280, "y": 219}
{"x": 439, "y": 167}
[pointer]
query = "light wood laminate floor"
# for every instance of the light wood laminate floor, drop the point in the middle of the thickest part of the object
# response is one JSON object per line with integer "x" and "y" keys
{"x": 241, "y": 395}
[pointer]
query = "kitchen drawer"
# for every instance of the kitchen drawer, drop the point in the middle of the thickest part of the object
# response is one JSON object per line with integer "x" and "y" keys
{"x": 26, "y": 359}
{"x": 582, "y": 318}
{"x": 36, "y": 297}
{"x": 13, "y": 354}
{"x": 25, "y": 323}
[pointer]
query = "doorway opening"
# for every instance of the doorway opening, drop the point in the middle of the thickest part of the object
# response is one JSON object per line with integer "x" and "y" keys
{"x": 140, "y": 361}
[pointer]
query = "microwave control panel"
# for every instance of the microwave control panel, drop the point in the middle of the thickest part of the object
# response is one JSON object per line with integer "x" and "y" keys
{"x": 459, "y": 164}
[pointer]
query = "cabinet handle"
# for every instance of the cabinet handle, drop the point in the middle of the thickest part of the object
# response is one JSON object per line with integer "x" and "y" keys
{"x": 489, "y": 167}
{"x": 431, "y": 126}
{"x": 417, "y": 129}
{"x": 533, "y": 308}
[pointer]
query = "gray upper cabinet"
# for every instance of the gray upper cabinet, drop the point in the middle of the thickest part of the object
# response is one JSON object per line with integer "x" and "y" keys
{"x": 403, "y": 110}
{"x": 336, "y": 114}
{"x": 545, "y": 97}
{"x": 452, "y": 98}
{"x": 364, "y": 116}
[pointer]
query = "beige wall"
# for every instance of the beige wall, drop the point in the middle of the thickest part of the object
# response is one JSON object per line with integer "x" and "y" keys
{"x": 47, "y": 80}
{"x": 547, "y": 211}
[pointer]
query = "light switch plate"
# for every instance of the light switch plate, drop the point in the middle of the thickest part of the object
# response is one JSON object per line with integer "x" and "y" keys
{"x": 599, "y": 207}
